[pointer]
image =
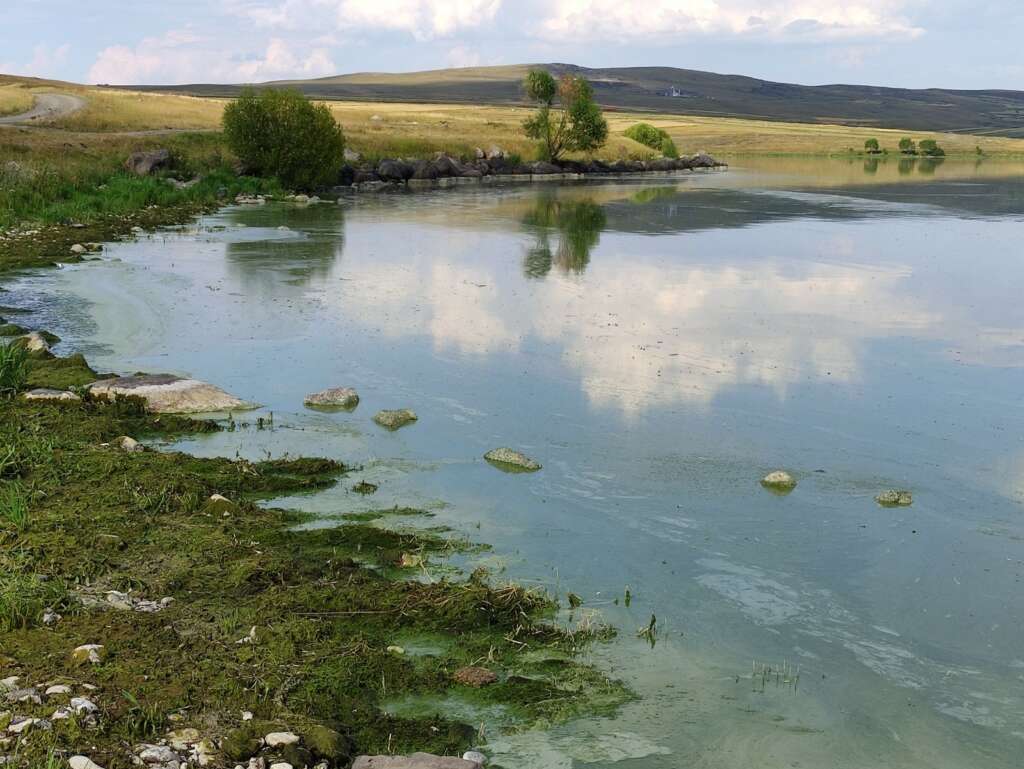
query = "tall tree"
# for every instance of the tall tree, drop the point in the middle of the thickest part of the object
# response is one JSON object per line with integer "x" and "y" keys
{"x": 577, "y": 126}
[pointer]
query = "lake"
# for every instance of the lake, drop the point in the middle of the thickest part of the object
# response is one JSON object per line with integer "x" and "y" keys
{"x": 658, "y": 345}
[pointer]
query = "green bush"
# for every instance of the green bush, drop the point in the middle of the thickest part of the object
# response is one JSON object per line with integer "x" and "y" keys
{"x": 872, "y": 146}
{"x": 907, "y": 146}
{"x": 281, "y": 133}
{"x": 655, "y": 138}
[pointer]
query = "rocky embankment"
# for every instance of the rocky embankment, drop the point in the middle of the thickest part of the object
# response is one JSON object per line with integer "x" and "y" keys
{"x": 495, "y": 165}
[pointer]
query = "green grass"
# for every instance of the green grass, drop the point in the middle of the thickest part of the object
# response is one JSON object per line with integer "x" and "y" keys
{"x": 13, "y": 506}
{"x": 13, "y": 368}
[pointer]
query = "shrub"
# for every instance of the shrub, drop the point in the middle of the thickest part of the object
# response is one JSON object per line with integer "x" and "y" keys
{"x": 655, "y": 138}
{"x": 281, "y": 133}
{"x": 907, "y": 146}
{"x": 931, "y": 148}
{"x": 578, "y": 127}
{"x": 13, "y": 368}
{"x": 872, "y": 146}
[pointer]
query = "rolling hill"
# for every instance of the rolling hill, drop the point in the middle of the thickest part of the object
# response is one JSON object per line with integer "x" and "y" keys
{"x": 684, "y": 91}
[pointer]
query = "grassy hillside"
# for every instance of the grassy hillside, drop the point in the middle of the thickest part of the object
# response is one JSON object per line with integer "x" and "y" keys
{"x": 691, "y": 92}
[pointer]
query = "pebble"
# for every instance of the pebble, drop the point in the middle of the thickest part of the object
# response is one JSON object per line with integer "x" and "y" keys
{"x": 83, "y": 762}
{"x": 92, "y": 653}
{"x": 58, "y": 690}
{"x": 24, "y": 696}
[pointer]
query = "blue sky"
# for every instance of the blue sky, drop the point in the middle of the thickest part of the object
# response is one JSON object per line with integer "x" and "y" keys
{"x": 911, "y": 43}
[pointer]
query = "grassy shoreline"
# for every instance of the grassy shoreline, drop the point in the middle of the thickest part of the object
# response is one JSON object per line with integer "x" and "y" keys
{"x": 324, "y": 611}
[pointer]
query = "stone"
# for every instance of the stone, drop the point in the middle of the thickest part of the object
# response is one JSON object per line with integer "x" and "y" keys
{"x": 51, "y": 617}
{"x": 91, "y": 653}
{"x": 475, "y": 756}
{"x": 46, "y": 394}
{"x": 7, "y": 684}
{"x": 27, "y": 696}
{"x": 280, "y": 739}
{"x": 326, "y": 743}
{"x": 779, "y": 480}
{"x": 394, "y": 170}
{"x": 351, "y": 156}
{"x": 58, "y": 690}
{"x": 495, "y": 153}
{"x": 156, "y": 754}
{"x": 128, "y": 444}
{"x": 23, "y": 724}
{"x": 895, "y": 498}
{"x": 78, "y": 249}
{"x": 507, "y": 458}
{"x": 82, "y": 706}
{"x": 34, "y": 342}
{"x": 242, "y": 743}
{"x": 335, "y": 397}
{"x": 169, "y": 394}
{"x": 281, "y": 765}
{"x": 393, "y": 419}
{"x": 415, "y": 761}
{"x": 82, "y": 762}
{"x": 443, "y": 165}
{"x": 62, "y": 714}
{"x": 543, "y": 167}
{"x": 145, "y": 163}
{"x": 474, "y": 676}
{"x": 205, "y": 753}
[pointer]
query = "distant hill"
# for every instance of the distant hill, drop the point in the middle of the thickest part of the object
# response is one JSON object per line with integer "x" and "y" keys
{"x": 685, "y": 91}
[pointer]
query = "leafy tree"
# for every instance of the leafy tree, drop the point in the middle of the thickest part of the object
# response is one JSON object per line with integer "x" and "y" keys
{"x": 907, "y": 146}
{"x": 281, "y": 133}
{"x": 872, "y": 146}
{"x": 668, "y": 148}
{"x": 578, "y": 126}
{"x": 931, "y": 148}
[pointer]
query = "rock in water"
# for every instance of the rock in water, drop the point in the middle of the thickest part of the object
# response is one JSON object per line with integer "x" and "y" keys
{"x": 779, "y": 480}
{"x": 168, "y": 394}
{"x": 334, "y": 398}
{"x": 511, "y": 460}
{"x": 392, "y": 420}
{"x": 415, "y": 761}
{"x": 895, "y": 498}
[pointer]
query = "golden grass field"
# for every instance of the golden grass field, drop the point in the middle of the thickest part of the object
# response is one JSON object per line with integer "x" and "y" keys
{"x": 404, "y": 129}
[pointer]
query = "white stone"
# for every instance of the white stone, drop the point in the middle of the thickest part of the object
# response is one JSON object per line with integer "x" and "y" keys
{"x": 475, "y": 756}
{"x": 58, "y": 690}
{"x": 46, "y": 394}
{"x": 281, "y": 765}
{"x": 280, "y": 739}
{"x": 34, "y": 342}
{"x": 82, "y": 706}
{"x": 126, "y": 443}
{"x": 779, "y": 479}
{"x": 82, "y": 762}
{"x": 168, "y": 394}
{"x": 9, "y": 683}
{"x": 20, "y": 725}
{"x": 78, "y": 248}
{"x": 88, "y": 653}
{"x": 157, "y": 754}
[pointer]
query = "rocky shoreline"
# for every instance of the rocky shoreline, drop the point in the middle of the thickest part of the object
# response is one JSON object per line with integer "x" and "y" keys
{"x": 495, "y": 165}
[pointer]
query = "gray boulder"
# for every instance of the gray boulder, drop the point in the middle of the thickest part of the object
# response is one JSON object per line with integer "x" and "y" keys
{"x": 169, "y": 394}
{"x": 393, "y": 419}
{"x": 394, "y": 170}
{"x": 334, "y": 398}
{"x": 511, "y": 460}
{"x": 446, "y": 166}
{"x": 543, "y": 167}
{"x": 145, "y": 163}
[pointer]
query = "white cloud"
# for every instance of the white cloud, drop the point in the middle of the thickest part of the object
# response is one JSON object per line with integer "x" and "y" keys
{"x": 463, "y": 56}
{"x": 46, "y": 61}
{"x": 182, "y": 56}
{"x": 768, "y": 19}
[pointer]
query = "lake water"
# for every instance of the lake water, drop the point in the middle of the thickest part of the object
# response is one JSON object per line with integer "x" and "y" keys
{"x": 659, "y": 345}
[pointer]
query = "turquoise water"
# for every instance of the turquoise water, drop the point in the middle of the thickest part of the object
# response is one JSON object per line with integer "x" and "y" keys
{"x": 659, "y": 345}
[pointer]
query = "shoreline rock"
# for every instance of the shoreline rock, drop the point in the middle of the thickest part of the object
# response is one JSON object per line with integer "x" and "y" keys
{"x": 333, "y": 398}
{"x": 511, "y": 460}
{"x": 169, "y": 394}
{"x": 393, "y": 419}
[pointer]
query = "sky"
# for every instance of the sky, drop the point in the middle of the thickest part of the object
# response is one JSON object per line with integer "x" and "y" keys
{"x": 902, "y": 43}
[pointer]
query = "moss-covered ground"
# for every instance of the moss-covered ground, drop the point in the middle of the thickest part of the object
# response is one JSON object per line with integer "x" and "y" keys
{"x": 291, "y": 625}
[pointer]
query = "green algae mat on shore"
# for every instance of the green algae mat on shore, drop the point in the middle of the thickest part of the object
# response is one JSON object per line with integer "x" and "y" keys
{"x": 193, "y": 607}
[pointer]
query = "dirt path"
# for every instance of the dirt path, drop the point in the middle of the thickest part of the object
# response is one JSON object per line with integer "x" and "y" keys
{"x": 48, "y": 106}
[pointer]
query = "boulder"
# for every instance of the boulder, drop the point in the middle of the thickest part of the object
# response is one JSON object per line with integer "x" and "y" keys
{"x": 895, "y": 498}
{"x": 475, "y": 756}
{"x": 46, "y": 394}
{"x": 145, "y": 163}
{"x": 422, "y": 170}
{"x": 91, "y": 653}
{"x": 510, "y": 459}
{"x": 58, "y": 690}
{"x": 33, "y": 342}
{"x": 128, "y": 444}
{"x": 169, "y": 394}
{"x": 471, "y": 173}
{"x": 495, "y": 152}
{"x": 444, "y": 165}
{"x": 280, "y": 739}
{"x": 393, "y": 419}
{"x": 474, "y": 676}
{"x": 479, "y": 154}
{"x": 394, "y": 170}
{"x": 543, "y": 167}
{"x": 78, "y": 249}
{"x": 415, "y": 761}
{"x": 363, "y": 175}
{"x": 779, "y": 480}
{"x": 703, "y": 160}
{"x": 333, "y": 398}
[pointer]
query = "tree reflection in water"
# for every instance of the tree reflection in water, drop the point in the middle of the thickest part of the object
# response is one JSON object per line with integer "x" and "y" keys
{"x": 577, "y": 225}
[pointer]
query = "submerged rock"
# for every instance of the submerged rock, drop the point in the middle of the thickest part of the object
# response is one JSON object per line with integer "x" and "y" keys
{"x": 509, "y": 459}
{"x": 779, "y": 480}
{"x": 415, "y": 761}
{"x": 392, "y": 420}
{"x": 169, "y": 394}
{"x": 333, "y": 398}
{"x": 475, "y": 676}
{"x": 46, "y": 394}
{"x": 895, "y": 498}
